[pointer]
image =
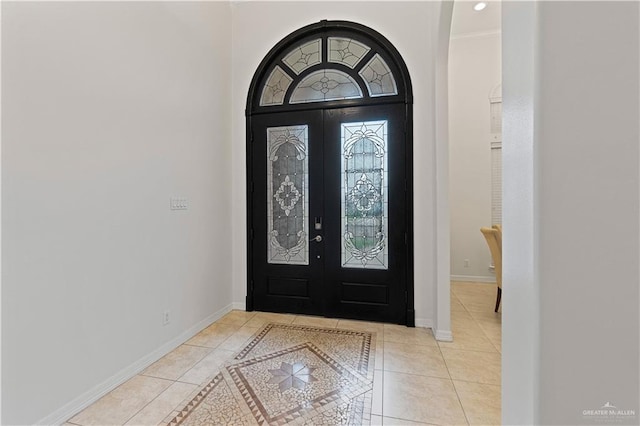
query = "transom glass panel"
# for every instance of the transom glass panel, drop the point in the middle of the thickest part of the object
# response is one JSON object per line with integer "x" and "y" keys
{"x": 364, "y": 195}
{"x": 305, "y": 56}
{"x": 346, "y": 51}
{"x": 287, "y": 195}
{"x": 325, "y": 85}
{"x": 378, "y": 77}
{"x": 275, "y": 88}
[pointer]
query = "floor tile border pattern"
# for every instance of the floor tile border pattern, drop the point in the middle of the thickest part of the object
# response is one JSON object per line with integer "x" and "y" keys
{"x": 363, "y": 407}
{"x": 359, "y": 401}
{"x": 363, "y": 363}
{"x": 195, "y": 401}
{"x": 260, "y": 412}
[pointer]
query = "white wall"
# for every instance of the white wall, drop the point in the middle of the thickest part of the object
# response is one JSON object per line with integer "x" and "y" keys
{"x": 520, "y": 304}
{"x": 413, "y": 28}
{"x": 571, "y": 312}
{"x": 108, "y": 110}
{"x": 442, "y": 291}
{"x": 474, "y": 71}
{"x": 588, "y": 140}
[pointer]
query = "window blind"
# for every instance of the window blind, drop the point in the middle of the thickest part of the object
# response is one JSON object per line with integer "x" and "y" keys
{"x": 496, "y": 161}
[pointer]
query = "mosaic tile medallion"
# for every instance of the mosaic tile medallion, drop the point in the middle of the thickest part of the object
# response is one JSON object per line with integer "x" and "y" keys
{"x": 290, "y": 374}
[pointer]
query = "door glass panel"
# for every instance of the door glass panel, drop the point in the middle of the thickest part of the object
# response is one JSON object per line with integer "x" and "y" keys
{"x": 364, "y": 195}
{"x": 287, "y": 200}
{"x": 346, "y": 51}
{"x": 325, "y": 85}
{"x": 378, "y": 77}
{"x": 305, "y": 56}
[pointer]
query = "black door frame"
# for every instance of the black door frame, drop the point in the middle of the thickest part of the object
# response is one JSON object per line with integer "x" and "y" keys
{"x": 404, "y": 96}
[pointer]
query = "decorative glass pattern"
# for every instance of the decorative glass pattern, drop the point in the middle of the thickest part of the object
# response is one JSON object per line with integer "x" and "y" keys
{"x": 305, "y": 56}
{"x": 275, "y": 88}
{"x": 364, "y": 195}
{"x": 346, "y": 51}
{"x": 287, "y": 200}
{"x": 325, "y": 85}
{"x": 378, "y": 77}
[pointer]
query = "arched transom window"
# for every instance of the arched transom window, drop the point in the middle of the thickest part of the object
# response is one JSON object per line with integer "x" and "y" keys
{"x": 329, "y": 66}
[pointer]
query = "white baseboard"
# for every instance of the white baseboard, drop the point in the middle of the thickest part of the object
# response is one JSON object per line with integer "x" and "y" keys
{"x": 473, "y": 278}
{"x": 443, "y": 335}
{"x": 440, "y": 335}
{"x": 64, "y": 413}
{"x": 424, "y": 322}
{"x": 241, "y": 306}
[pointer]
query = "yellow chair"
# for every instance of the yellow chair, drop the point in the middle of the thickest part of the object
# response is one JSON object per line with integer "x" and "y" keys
{"x": 498, "y": 235}
{"x": 494, "y": 241}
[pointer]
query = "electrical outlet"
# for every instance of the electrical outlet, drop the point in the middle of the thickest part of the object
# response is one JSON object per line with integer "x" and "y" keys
{"x": 178, "y": 203}
{"x": 166, "y": 317}
{"x": 467, "y": 263}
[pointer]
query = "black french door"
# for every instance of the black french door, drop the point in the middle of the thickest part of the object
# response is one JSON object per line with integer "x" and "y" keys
{"x": 329, "y": 213}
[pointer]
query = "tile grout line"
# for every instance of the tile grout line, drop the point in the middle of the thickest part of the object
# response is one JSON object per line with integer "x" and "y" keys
{"x": 494, "y": 351}
{"x": 464, "y": 411}
{"x": 382, "y": 380}
{"x": 382, "y": 384}
{"x": 148, "y": 403}
{"x": 200, "y": 386}
{"x": 454, "y": 386}
{"x": 476, "y": 383}
{"x": 489, "y": 339}
{"x": 492, "y": 344}
{"x": 170, "y": 380}
{"x": 481, "y": 328}
{"x": 419, "y": 375}
{"x": 405, "y": 420}
{"x": 200, "y": 346}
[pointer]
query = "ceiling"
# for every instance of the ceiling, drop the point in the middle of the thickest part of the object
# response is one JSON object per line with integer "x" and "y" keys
{"x": 467, "y": 21}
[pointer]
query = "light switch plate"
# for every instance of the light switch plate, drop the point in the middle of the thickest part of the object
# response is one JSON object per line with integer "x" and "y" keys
{"x": 178, "y": 203}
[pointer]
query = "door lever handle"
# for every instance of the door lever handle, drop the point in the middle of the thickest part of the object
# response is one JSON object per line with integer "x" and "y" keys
{"x": 317, "y": 238}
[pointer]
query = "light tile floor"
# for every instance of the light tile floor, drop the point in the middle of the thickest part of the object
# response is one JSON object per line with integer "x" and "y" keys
{"x": 417, "y": 380}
